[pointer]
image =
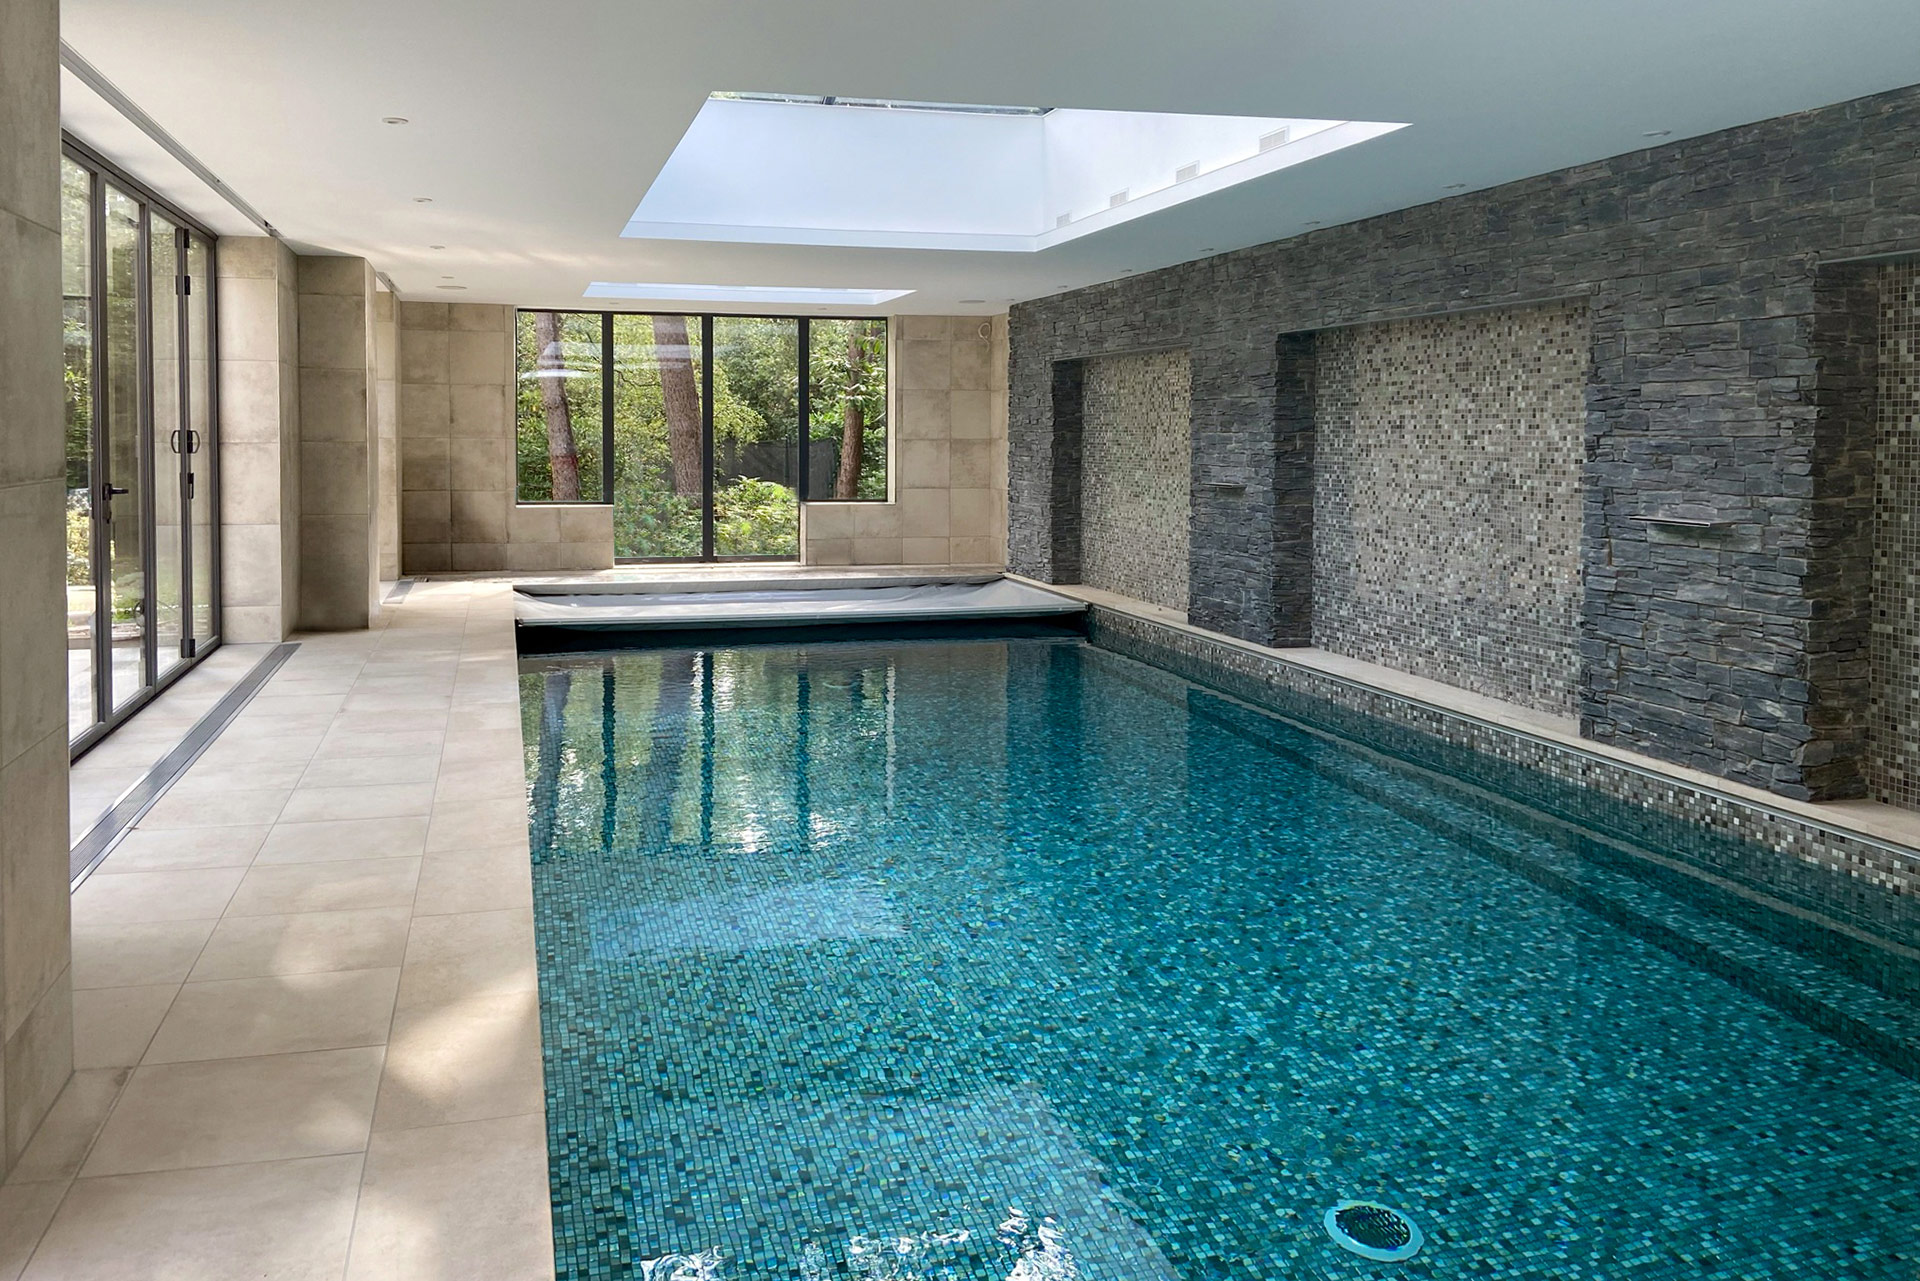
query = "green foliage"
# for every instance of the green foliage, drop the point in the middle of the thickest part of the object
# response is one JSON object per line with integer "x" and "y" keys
{"x": 79, "y": 542}
{"x": 755, "y": 518}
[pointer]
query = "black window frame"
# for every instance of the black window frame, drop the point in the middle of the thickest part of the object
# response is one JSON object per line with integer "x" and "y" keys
{"x": 804, "y": 374}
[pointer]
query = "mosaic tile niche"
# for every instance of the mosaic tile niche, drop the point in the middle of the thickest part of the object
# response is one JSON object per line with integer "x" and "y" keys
{"x": 1135, "y": 476}
{"x": 1893, "y": 710}
{"x": 1447, "y": 498}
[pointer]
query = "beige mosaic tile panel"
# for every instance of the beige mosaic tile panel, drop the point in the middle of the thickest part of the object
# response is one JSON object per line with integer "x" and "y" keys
{"x": 1447, "y": 498}
{"x": 1135, "y": 476}
{"x": 1893, "y": 710}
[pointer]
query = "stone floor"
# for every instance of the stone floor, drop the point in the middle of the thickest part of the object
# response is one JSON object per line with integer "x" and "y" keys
{"x": 104, "y": 774}
{"x": 305, "y": 998}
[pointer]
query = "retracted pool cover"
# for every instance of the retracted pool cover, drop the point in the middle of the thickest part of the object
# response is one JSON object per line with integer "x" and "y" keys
{"x": 793, "y": 607}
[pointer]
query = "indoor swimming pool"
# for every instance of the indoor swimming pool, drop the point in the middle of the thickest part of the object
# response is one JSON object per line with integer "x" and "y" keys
{"x": 1018, "y": 960}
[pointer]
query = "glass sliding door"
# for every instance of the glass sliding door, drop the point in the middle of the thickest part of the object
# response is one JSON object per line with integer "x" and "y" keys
{"x": 166, "y": 445}
{"x": 77, "y": 327}
{"x": 715, "y": 428}
{"x": 142, "y": 523}
{"x": 196, "y": 443}
{"x": 122, "y": 494}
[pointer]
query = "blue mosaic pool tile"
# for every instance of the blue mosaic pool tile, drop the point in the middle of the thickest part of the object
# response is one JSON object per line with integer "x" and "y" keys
{"x": 951, "y": 961}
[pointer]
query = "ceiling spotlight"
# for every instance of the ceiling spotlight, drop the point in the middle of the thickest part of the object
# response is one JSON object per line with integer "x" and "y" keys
{"x": 446, "y": 277}
{"x": 1656, "y": 133}
{"x": 393, "y": 120}
{"x": 966, "y": 302}
{"x": 1311, "y": 222}
{"x": 423, "y": 200}
{"x": 1456, "y": 186}
{"x": 436, "y": 246}
{"x": 1210, "y": 250}
{"x": 449, "y": 286}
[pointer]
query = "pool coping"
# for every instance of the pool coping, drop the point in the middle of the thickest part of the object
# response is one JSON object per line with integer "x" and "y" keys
{"x": 1881, "y": 848}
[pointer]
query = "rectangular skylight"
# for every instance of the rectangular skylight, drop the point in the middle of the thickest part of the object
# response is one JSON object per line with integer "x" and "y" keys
{"x": 783, "y": 295}
{"x": 789, "y": 169}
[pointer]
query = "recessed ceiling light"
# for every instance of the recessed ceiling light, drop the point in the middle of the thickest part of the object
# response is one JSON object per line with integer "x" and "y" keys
{"x": 423, "y": 200}
{"x": 449, "y": 286}
{"x": 446, "y": 277}
{"x": 393, "y": 120}
{"x": 436, "y": 246}
{"x": 1311, "y": 222}
{"x": 1210, "y": 250}
{"x": 1456, "y": 186}
{"x": 1656, "y": 133}
{"x": 967, "y": 302}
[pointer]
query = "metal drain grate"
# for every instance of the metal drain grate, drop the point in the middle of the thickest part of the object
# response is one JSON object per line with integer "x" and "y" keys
{"x": 1374, "y": 1231}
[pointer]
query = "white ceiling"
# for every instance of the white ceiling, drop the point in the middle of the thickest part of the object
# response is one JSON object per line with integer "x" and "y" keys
{"x": 537, "y": 128}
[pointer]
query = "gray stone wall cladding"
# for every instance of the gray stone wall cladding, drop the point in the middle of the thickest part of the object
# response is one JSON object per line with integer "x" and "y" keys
{"x": 1134, "y": 490}
{"x": 1893, "y": 720}
{"x": 1446, "y": 509}
{"x": 1718, "y": 379}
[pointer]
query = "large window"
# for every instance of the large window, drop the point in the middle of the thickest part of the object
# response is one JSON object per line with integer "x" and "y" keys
{"x": 142, "y": 560}
{"x": 701, "y": 458}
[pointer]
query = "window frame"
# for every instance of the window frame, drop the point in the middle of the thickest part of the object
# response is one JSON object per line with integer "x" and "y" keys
{"x": 103, "y": 173}
{"x": 804, "y": 397}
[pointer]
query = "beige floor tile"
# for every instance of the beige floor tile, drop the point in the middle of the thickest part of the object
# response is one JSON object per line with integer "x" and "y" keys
{"x": 458, "y": 957}
{"x": 269, "y": 1108}
{"x": 481, "y": 781}
{"x": 463, "y": 1061}
{"x": 478, "y": 824}
{"x": 320, "y": 804}
{"x": 471, "y": 715}
{"x": 143, "y": 953}
{"x": 326, "y": 887}
{"x": 112, "y": 1026}
{"x": 365, "y": 773}
{"x": 272, "y": 701}
{"x": 25, "y": 1211}
{"x": 155, "y": 896}
{"x": 238, "y": 752}
{"x": 62, "y": 1141}
{"x": 476, "y": 881}
{"x": 481, "y": 745}
{"x": 262, "y": 726}
{"x": 455, "y": 1202}
{"x": 285, "y": 1220}
{"x": 184, "y": 849}
{"x": 244, "y": 947}
{"x": 202, "y": 778}
{"x": 354, "y": 744}
{"x": 346, "y": 840}
{"x": 284, "y": 1014}
{"x": 399, "y": 720}
{"x": 215, "y": 809}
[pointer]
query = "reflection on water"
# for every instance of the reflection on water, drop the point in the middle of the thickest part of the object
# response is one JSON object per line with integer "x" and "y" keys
{"x": 745, "y": 922}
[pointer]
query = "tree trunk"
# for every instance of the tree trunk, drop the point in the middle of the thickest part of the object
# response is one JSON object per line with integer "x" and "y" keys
{"x": 680, "y": 395}
{"x": 853, "y": 421}
{"x": 563, "y": 456}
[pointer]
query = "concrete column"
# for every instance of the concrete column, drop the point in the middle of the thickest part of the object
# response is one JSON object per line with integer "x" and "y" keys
{"x": 36, "y": 1007}
{"x": 259, "y": 439}
{"x": 338, "y": 472}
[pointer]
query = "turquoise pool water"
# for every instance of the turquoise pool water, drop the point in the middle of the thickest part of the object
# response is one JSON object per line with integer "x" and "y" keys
{"x": 1017, "y": 960}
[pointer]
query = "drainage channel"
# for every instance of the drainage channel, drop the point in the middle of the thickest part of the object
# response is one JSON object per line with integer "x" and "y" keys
{"x": 133, "y": 804}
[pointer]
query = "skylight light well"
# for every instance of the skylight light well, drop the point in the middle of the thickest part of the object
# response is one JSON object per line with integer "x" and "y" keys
{"x": 799, "y": 169}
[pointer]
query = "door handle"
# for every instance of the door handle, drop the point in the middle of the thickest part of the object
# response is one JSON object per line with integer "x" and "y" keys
{"x": 111, "y": 490}
{"x": 173, "y": 442}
